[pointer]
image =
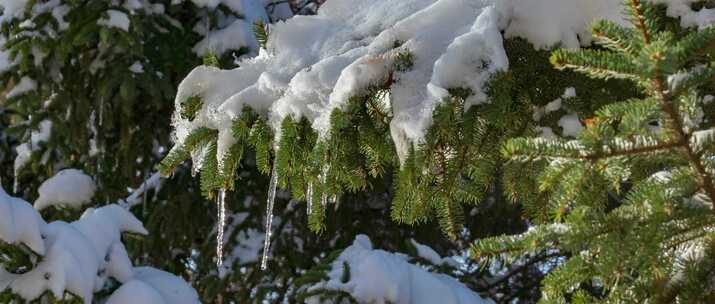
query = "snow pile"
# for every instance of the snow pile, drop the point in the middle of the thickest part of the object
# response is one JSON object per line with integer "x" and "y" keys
{"x": 153, "y": 286}
{"x": 20, "y": 223}
{"x": 68, "y": 188}
{"x": 377, "y": 276}
{"x": 313, "y": 64}
{"x": 79, "y": 257}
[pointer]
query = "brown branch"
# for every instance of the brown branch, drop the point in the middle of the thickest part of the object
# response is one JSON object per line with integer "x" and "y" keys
{"x": 640, "y": 20}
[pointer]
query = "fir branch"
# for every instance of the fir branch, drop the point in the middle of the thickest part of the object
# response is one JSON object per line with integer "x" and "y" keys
{"x": 636, "y": 10}
{"x": 683, "y": 139}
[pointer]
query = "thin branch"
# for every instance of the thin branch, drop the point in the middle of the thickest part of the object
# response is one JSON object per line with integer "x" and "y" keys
{"x": 638, "y": 150}
{"x": 705, "y": 181}
{"x": 153, "y": 182}
{"x": 640, "y": 20}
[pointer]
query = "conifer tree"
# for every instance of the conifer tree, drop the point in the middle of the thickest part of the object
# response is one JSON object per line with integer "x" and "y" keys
{"x": 312, "y": 142}
{"x": 630, "y": 199}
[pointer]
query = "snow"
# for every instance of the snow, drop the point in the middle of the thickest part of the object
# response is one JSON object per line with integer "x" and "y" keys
{"x": 69, "y": 188}
{"x": 136, "y": 68}
{"x": 432, "y": 256}
{"x": 117, "y": 19}
{"x": 689, "y": 18}
{"x": 5, "y": 62}
{"x": 554, "y": 105}
{"x": 378, "y": 276}
{"x": 24, "y": 150}
{"x": 59, "y": 13}
{"x": 235, "y": 33}
{"x": 172, "y": 288}
{"x": 20, "y": 223}
{"x": 136, "y": 292}
{"x": 79, "y": 257}
{"x": 238, "y": 34}
{"x": 153, "y": 286}
{"x": 568, "y": 20}
{"x": 570, "y": 125}
{"x": 154, "y": 181}
{"x": 248, "y": 244}
{"x": 546, "y": 133}
{"x": 11, "y": 9}
{"x": 569, "y": 92}
{"x": 313, "y": 64}
{"x": 25, "y": 85}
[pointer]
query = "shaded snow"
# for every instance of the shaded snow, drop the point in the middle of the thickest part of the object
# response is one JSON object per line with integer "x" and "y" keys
{"x": 25, "y": 85}
{"x": 379, "y": 277}
{"x": 79, "y": 257}
{"x": 68, "y": 188}
{"x": 117, "y": 19}
{"x": 20, "y": 223}
{"x": 24, "y": 150}
{"x": 432, "y": 256}
{"x": 136, "y": 68}
{"x": 234, "y": 33}
{"x": 570, "y": 125}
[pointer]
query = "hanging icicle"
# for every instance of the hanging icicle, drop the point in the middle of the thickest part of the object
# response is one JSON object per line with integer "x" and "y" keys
{"x": 221, "y": 202}
{"x": 324, "y": 181}
{"x": 15, "y": 182}
{"x": 309, "y": 198}
{"x": 269, "y": 216}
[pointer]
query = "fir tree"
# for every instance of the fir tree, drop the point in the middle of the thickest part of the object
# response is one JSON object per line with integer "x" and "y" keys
{"x": 630, "y": 199}
{"x": 494, "y": 159}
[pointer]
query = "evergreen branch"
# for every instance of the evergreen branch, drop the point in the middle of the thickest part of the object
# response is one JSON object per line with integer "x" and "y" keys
{"x": 683, "y": 139}
{"x": 260, "y": 30}
{"x": 597, "y": 63}
{"x": 692, "y": 79}
{"x": 613, "y": 36}
{"x": 636, "y": 12}
{"x": 694, "y": 43}
{"x": 637, "y": 150}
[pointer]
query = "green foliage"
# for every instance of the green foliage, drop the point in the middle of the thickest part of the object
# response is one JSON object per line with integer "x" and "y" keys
{"x": 110, "y": 120}
{"x": 457, "y": 164}
{"x": 630, "y": 199}
{"x": 190, "y": 107}
{"x": 85, "y": 88}
{"x": 16, "y": 258}
{"x": 260, "y": 29}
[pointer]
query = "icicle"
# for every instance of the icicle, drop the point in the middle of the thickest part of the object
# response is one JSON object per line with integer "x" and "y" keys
{"x": 15, "y": 183}
{"x": 323, "y": 181}
{"x": 269, "y": 216}
{"x": 324, "y": 199}
{"x": 221, "y": 202}
{"x": 309, "y": 198}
